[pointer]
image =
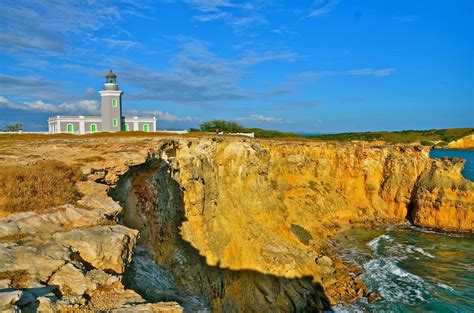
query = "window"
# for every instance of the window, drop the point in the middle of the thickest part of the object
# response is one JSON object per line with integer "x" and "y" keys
{"x": 70, "y": 128}
{"x": 114, "y": 103}
{"x": 115, "y": 122}
{"x": 93, "y": 128}
{"x": 125, "y": 127}
{"x": 146, "y": 127}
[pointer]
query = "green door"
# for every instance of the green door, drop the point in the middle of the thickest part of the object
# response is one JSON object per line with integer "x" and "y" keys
{"x": 125, "y": 127}
{"x": 93, "y": 128}
{"x": 70, "y": 128}
{"x": 146, "y": 128}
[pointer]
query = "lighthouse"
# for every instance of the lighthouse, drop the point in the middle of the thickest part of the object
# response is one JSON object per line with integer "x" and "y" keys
{"x": 111, "y": 101}
{"x": 111, "y": 119}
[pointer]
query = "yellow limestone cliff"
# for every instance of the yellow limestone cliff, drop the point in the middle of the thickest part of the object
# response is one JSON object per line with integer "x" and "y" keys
{"x": 226, "y": 224}
{"x": 269, "y": 206}
{"x": 463, "y": 143}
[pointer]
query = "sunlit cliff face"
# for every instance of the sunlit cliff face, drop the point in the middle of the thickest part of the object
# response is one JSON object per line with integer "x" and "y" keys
{"x": 230, "y": 215}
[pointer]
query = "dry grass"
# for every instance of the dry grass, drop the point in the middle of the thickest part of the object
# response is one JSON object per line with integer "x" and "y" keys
{"x": 18, "y": 279}
{"x": 37, "y": 187}
{"x": 91, "y": 159}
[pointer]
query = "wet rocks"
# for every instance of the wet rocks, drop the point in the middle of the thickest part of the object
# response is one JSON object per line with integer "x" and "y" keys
{"x": 373, "y": 297}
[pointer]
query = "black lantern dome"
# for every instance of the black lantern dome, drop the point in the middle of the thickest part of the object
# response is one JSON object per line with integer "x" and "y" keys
{"x": 110, "y": 78}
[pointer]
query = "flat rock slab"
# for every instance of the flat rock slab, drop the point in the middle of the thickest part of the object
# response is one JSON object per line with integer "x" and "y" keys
{"x": 103, "y": 247}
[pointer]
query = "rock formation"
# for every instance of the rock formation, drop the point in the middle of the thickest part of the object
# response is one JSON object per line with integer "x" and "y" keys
{"x": 462, "y": 143}
{"x": 215, "y": 223}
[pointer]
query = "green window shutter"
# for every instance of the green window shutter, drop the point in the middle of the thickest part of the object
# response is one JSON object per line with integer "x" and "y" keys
{"x": 114, "y": 122}
{"x": 125, "y": 127}
{"x": 70, "y": 128}
{"x": 93, "y": 128}
{"x": 146, "y": 127}
{"x": 114, "y": 103}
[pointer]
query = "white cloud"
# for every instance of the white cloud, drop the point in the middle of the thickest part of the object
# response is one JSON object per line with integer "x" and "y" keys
{"x": 237, "y": 14}
{"x": 63, "y": 20}
{"x": 260, "y": 118}
{"x": 372, "y": 72}
{"x": 253, "y": 59}
{"x": 160, "y": 115}
{"x": 310, "y": 76}
{"x": 196, "y": 75}
{"x": 79, "y": 107}
{"x": 321, "y": 7}
{"x": 212, "y": 16}
{"x": 165, "y": 116}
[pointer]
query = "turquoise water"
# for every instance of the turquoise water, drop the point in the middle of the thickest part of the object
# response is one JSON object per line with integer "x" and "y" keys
{"x": 413, "y": 270}
{"x": 468, "y": 155}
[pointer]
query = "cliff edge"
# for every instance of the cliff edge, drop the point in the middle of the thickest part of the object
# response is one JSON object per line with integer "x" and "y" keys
{"x": 223, "y": 223}
{"x": 462, "y": 143}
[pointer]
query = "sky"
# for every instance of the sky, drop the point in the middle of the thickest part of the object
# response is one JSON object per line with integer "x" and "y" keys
{"x": 315, "y": 66}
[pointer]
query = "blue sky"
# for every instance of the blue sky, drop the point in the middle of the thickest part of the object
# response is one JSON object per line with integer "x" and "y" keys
{"x": 311, "y": 66}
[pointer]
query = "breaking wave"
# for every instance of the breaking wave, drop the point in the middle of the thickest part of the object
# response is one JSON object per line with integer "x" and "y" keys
{"x": 411, "y": 270}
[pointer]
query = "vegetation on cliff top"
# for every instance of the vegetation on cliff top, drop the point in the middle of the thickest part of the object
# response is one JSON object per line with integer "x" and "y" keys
{"x": 37, "y": 187}
{"x": 426, "y": 137}
{"x": 233, "y": 127}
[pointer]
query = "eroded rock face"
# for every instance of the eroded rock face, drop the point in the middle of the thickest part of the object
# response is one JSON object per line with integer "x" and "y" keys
{"x": 154, "y": 205}
{"x": 268, "y": 207}
{"x": 462, "y": 143}
{"x": 443, "y": 199}
{"x": 228, "y": 223}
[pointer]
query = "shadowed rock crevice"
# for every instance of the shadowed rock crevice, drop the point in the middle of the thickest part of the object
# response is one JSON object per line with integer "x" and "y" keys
{"x": 171, "y": 269}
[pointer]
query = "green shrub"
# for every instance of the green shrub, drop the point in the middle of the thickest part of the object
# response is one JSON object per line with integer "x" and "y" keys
{"x": 441, "y": 144}
{"x": 303, "y": 235}
{"x": 426, "y": 143}
{"x": 221, "y": 125}
{"x": 13, "y": 128}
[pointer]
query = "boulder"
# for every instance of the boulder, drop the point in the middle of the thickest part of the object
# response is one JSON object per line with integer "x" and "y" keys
{"x": 95, "y": 197}
{"x": 161, "y": 307}
{"x": 71, "y": 280}
{"x": 373, "y": 297}
{"x": 35, "y": 261}
{"x": 8, "y": 299}
{"x": 324, "y": 261}
{"x": 5, "y": 283}
{"x": 102, "y": 247}
{"x": 40, "y": 224}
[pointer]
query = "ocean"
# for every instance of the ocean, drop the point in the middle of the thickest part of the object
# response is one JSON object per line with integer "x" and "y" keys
{"x": 413, "y": 269}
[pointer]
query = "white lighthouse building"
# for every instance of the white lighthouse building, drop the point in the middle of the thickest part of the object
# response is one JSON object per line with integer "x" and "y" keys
{"x": 111, "y": 119}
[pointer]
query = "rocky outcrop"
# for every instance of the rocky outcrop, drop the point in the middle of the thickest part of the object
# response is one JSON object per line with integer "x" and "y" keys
{"x": 443, "y": 199}
{"x": 69, "y": 259}
{"x": 243, "y": 199}
{"x": 222, "y": 224}
{"x": 269, "y": 207}
{"x": 462, "y": 143}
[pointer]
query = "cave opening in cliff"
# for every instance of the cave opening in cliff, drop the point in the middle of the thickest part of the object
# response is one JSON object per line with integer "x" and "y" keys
{"x": 166, "y": 267}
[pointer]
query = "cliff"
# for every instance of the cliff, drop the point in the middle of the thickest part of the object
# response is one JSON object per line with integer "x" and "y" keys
{"x": 462, "y": 143}
{"x": 224, "y": 224}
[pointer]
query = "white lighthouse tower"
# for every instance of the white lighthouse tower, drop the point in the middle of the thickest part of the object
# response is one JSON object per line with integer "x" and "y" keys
{"x": 111, "y": 100}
